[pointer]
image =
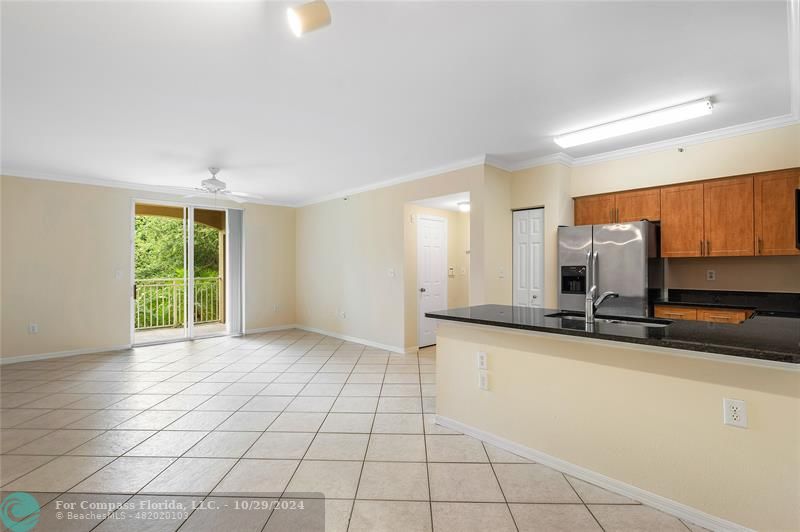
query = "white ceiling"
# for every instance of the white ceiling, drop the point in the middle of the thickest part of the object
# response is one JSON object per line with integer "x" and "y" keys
{"x": 154, "y": 92}
{"x": 445, "y": 203}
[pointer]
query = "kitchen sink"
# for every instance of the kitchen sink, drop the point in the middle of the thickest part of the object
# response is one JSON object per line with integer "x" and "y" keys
{"x": 642, "y": 322}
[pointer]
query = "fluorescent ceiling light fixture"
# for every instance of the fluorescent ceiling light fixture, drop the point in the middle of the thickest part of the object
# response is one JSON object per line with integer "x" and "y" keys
{"x": 662, "y": 117}
{"x": 463, "y": 206}
{"x": 308, "y": 17}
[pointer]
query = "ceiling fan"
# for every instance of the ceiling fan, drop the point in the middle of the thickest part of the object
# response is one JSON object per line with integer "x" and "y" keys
{"x": 216, "y": 186}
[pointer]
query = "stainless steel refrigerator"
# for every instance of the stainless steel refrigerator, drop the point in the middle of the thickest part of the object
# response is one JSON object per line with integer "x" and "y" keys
{"x": 627, "y": 260}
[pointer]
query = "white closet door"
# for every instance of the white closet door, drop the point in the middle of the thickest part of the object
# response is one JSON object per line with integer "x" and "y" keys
{"x": 528, "y": 274}
{"x": 431, "y": 273}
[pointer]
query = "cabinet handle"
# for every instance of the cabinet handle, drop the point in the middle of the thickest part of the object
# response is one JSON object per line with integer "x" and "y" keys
{"x": 717, "y": 317}
{"x": 701, "y": 248}
{"x": 612, "y": 215}
{"x": 617, "y": 214}
{"x": 677, "y": 314}
{"x": 760, "y": 245}
{"x": 708, "y": 247}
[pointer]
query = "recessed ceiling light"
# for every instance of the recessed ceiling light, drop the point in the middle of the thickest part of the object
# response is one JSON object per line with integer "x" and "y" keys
{"x": 662, "y": 117}
{"x": 463, "y": 206}
{"x": 308, "y": 17}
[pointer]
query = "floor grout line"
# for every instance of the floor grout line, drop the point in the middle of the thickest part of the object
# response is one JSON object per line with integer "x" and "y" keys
{"x": 235, "y": 364}
{"x": 369, "y": 442}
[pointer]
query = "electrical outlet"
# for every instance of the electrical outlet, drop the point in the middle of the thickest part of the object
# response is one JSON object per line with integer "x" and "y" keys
{"x": 734, "y": 413}
{"x": 276, "y": 307}
{"x": 711, "y": 275}
{"x": 483, "y": 380}
{"x": 33, "y": 328}
{"x": 482, "y": 360}
{"x": 343, "y": 314}
{"x": 390, "y": 272}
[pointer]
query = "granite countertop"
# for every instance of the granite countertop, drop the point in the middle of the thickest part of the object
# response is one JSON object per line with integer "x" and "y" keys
{"x": 769, "y": 338}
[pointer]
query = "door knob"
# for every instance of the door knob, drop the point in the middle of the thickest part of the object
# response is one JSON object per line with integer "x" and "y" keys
{"x": 422, "y": 290}
{"x": 534, "y": 296}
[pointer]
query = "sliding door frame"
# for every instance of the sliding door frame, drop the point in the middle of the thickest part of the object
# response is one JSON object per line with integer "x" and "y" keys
{"x": 188, "y": 260}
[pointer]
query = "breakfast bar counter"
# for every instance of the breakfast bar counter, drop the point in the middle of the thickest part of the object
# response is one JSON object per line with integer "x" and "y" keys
{"x": 635, "y": 409}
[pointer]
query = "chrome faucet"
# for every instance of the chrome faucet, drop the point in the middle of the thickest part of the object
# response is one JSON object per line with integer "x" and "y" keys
{"x": 592, "y": 302}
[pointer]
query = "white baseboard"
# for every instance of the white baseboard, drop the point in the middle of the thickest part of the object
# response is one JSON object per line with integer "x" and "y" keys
{"x": 272, "y": 329}
{"x": 60, "y": 354}
{"x": 73, "y": 352}
{"x": 347, "y": 338}
{"x": 679, "y": 510}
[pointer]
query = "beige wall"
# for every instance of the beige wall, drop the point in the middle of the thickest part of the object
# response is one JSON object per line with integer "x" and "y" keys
{"x": 756, "y": 152}
{"x": 66, "y": 265}
{"x": 345, "y": 249}
{"x": 649, "y": 419}
{"x": 457, "y": 257}
{"x": 336, "y": 264}
{"x": 546, "y": 186}
{"x": 759, "y": 274}
{"x": 497, "y": 236}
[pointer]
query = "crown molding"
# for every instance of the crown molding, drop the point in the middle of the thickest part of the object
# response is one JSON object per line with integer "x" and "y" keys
{"x": 553, "y": 158}
{"x": 498, "y": 162}
{"x": 437, "y": 170}
{"x": 689, "y": 140}
{"x": 125, "y": 185}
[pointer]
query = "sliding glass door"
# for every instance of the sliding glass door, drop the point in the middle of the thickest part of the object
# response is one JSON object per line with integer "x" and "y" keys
{"x": 208, "y": 250}
{"x": 160, "y": 280}
{"x": 180, "y": 278}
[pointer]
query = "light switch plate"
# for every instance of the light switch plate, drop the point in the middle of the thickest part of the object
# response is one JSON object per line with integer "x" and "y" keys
{"x": 483, "y": 380}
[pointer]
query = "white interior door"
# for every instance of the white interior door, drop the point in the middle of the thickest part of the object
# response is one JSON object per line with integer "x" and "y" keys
{"x": 528, "y": 275}
{"x": 431, "y": 273}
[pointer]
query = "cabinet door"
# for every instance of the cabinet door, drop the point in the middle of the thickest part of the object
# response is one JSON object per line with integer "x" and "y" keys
{"x": 774, "y": 211}
{"x": 682, "y": 221}
{"x": 639, "y": 205}
{"x": 728, "y": 217}
{"x": 594, "y": 209}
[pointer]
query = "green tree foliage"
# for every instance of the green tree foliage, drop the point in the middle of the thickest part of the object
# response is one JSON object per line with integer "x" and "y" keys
{"x": 159, "y": 248}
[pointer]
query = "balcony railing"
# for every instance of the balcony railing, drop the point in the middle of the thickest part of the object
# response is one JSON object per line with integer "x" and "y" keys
{"x": 159, "y": 302}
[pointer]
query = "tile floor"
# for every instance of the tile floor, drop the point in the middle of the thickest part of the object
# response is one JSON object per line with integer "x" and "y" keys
{"x": 143, "y": 336}
{"x": 276, "y": 413}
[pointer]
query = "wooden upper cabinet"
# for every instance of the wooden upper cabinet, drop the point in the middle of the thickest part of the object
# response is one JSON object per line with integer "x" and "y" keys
{"x": 594, "y": 209}
{"x": 638, "y": 205}
{"x": 682, "y": 221}
{"x": 774, "y": 211}
{"x": 728, "y": 217}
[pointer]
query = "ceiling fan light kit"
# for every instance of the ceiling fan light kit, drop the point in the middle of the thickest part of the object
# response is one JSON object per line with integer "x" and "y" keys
{"x": 308, "y": 17}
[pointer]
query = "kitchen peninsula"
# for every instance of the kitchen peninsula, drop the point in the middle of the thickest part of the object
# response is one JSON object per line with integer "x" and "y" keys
{"x": 635, "y": 407}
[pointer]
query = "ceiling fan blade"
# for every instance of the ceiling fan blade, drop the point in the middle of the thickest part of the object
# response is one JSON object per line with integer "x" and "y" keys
{"x": 237, "y": 199}
{"x": 244, "y": 194}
